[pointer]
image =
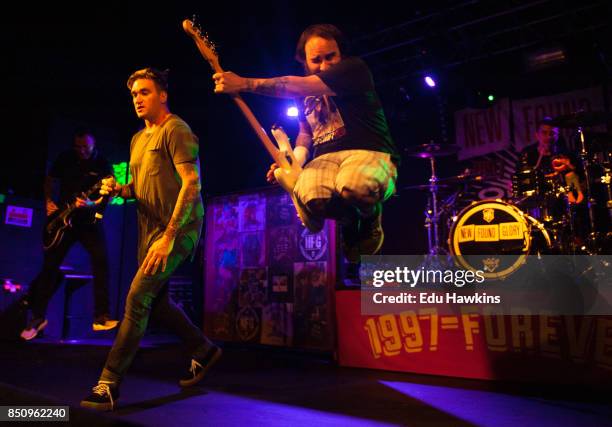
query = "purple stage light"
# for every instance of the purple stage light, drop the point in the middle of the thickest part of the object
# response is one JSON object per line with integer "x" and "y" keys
{"x": 292, "y": 112}
{"x": 429, "y": 81}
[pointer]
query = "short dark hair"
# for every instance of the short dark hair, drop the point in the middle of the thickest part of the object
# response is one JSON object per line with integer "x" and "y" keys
{"x": 326, "y": 31}
{"x": 160, "y": 78}
{"x": 545, "y": 121}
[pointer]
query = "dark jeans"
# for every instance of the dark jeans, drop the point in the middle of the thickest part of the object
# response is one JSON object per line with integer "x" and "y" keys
{"x": 45, "y": 284}
{"x": 148, "y": 296}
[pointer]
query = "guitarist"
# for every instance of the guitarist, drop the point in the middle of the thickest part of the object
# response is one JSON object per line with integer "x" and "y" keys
{"x": 354, "y": 166}
{"x": 74, "y": 171}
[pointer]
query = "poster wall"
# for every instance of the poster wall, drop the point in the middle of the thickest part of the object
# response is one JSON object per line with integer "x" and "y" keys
{"x": 268, "y": 279}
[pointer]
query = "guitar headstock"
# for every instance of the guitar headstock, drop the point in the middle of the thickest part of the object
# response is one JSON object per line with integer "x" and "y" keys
{"x": 206, "y": 47}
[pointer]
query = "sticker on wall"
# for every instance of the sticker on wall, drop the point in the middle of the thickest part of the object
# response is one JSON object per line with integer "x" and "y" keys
{"x": 281, "y": 284}
{"x": 252, "y": 249}
{"x": 19, "y": 216}
{"x": 277, "y": 324}
{"x": 313, "y": 246}
{"x": 248, "y": 324}
{"x": 252, "y": 213}
{"x": 282, "y": 244}
{"x": 311, "y": 324}
{"x": 252, "y": 288}
{"x": 281, "y": 211}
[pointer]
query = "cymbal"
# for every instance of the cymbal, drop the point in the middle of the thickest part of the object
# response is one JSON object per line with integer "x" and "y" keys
{"x": 426, "y": 187}
{"x": 426, "y": 151}
{"x": 582, "y": 118}
{"x": 464, "y": 177}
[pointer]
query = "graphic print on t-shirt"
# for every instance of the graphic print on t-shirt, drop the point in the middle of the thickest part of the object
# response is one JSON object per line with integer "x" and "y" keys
{"x": 324, "y": 119}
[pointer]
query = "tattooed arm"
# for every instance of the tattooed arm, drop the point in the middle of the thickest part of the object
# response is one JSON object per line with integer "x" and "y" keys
{"x": 190, "y": 191}
{"x": 279, "y": 87}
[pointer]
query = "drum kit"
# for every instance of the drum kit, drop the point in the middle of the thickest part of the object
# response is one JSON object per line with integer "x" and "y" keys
{"x": 537, "y": 219}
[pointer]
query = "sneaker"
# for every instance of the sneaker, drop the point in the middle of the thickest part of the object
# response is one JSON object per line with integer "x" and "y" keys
{"x": 33, "y": 328}
{"x": 371, "y": 235}
{"x": 199, "y": 367}
{"x": 103, "y": 397}
{"x": 104, "y": 323}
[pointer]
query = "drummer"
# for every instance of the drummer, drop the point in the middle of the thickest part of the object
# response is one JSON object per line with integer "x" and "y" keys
{"x": 550, "y": 158}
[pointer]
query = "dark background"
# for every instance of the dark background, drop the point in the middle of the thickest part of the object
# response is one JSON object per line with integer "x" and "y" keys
{"x": 63, "y": 67}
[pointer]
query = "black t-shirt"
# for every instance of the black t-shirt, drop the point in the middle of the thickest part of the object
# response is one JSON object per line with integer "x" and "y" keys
{"x": 528, "y": 157}
{"x": 354, "y": 118}
{"x": 76, "y": 175}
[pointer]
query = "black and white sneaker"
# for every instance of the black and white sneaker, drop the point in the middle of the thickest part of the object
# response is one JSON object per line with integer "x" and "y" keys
{"x": 103, "y": 397}
{"x": 34, "y": 327}
{"x": 199, "y": 367}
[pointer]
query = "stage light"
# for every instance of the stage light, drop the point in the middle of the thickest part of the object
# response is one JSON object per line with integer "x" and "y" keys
{"x": 292, "y": 112}
{"x": 429, "y": 81}
{"x": 491, "y": 98}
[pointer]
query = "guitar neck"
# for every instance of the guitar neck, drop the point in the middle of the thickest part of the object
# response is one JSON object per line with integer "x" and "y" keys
{"x": 207, "y": 49}
{"x": 257, "y": 128}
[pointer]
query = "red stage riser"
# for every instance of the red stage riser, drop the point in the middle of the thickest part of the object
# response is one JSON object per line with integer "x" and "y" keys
{"x": 539, "y": 348}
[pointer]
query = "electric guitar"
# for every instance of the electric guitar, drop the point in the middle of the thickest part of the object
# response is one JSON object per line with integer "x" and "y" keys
{"x": 61, "y": 220}
{"x": 288, "y": 168}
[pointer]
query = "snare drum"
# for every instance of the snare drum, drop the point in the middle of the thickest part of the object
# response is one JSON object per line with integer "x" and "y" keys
{"x": 493, "y": 227}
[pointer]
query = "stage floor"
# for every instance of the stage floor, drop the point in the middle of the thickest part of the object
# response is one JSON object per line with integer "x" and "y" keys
{"x": 271, "y": 387}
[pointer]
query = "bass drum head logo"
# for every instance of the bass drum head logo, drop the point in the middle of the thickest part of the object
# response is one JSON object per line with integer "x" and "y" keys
{"x": 313, "y": 245}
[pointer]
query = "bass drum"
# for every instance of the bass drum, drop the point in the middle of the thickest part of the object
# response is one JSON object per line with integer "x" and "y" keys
{"x": 485, "y": 230}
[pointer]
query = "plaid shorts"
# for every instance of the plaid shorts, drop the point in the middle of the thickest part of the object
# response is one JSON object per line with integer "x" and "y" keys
{"x": 364, "y": 173}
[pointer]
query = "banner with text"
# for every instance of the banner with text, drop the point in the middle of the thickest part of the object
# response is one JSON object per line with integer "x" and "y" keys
{"x": 483, "y": 131}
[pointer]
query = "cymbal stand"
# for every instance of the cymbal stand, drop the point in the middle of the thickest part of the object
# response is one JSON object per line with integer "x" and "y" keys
{"x": 432, "y": 215}
{"x": 591, "y": 202}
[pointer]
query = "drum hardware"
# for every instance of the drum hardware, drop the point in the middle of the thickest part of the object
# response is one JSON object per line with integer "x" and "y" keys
{"x": 546, "y": 197}
{"x": 432, "y": 149}
{"x": 589, "y": 145}
{"x": 432, "y": 212}
{"x": 426, "y": 187}
{"x": 591, "y": 202}
{"x": 606, "y": 180}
